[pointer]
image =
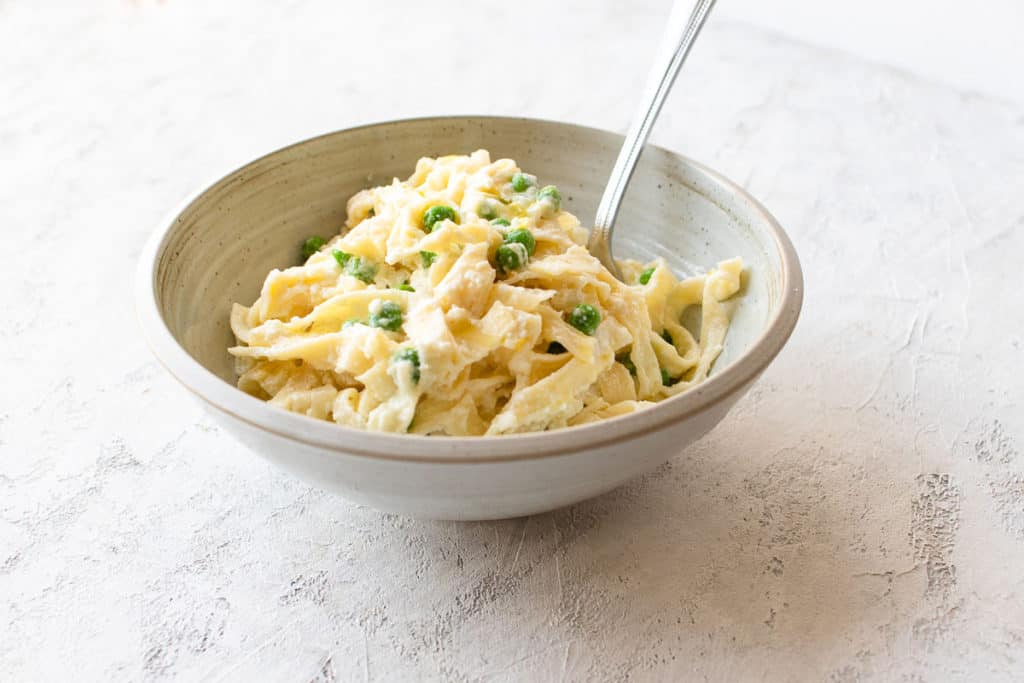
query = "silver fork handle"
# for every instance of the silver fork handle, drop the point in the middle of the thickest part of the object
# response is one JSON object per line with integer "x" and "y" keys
{"x": 675, "y": 46}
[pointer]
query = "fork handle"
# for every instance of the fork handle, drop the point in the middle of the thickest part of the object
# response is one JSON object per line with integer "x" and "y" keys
{"x": 680, "y": 34}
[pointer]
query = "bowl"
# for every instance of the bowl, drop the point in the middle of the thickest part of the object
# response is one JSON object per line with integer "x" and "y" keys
{"x": 219, "y": 245}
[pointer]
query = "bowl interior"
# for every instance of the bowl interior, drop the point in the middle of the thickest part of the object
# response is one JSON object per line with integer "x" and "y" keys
{"x": 223, "y": 243}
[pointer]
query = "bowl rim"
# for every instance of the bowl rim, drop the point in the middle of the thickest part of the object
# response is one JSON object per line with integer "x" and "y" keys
{"x": 413, "y": 448}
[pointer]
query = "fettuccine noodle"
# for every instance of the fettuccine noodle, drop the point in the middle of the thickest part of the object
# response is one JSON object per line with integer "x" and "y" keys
{"x": 463, "y": 302}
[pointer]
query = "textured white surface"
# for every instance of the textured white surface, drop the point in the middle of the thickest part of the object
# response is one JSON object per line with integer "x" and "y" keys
{"x": 859, "y": 516}
{"x": 974, "y": 46}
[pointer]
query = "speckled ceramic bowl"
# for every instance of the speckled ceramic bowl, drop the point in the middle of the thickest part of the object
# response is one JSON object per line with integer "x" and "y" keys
{"x": 217, "y": 248}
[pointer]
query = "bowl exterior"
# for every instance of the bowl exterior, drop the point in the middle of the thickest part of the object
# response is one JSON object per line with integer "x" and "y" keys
{"x": 478, "y": 490}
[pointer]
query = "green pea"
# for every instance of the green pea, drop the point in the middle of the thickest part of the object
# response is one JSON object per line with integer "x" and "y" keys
{"x": 362, "y": 270}
{"x": 386, "y": 315}
{"x": 428, "y": 258}
{"x": 550, "y": 194}
{"x": 626, "y": 360}
{"x": 521, "y": 182}
{"x": 555, "y": 347}
{"x": 410, "y": 355}
{"x": 501, "y": 221}
{"x": 645, "y": 276}
{"x": 667, "y": 337}
{"x": 436, "y": 214}
{"x": 487, "y": 209}
{"x": 523, "y": 237}
{"x": 341, "y": 257}
{"x": 512, "y": 256}
{"x": 312, "y": 245}
{"x": 406, "y": 287}
{"x": 666, "y": 378}
{"x": 585, "y": 318}
{"x": 355, "y": 266}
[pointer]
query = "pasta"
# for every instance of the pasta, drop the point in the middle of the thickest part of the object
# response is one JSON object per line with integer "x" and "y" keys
{"x": 463, "y": 302}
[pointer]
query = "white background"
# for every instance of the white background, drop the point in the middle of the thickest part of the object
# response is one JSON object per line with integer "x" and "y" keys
{"x": 976, "y": 46}
{"x": 858, "y": 516}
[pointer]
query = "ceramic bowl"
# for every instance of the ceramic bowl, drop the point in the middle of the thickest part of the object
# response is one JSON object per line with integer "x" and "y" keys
{"x": 218, "y": 247}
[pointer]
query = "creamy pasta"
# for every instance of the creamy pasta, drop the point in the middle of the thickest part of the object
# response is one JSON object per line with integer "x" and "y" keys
{"x": 462, "y": 301}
